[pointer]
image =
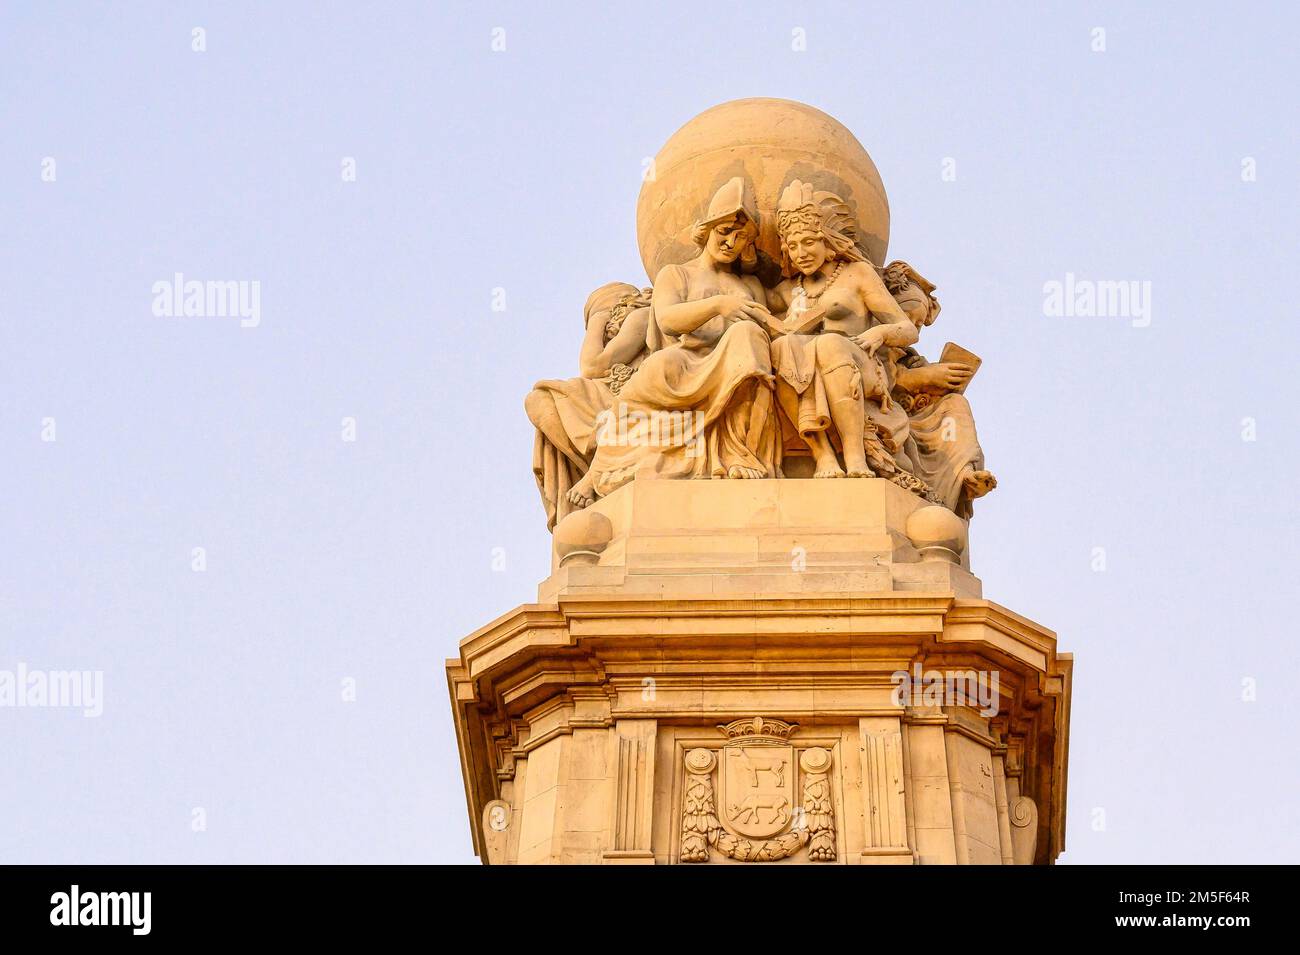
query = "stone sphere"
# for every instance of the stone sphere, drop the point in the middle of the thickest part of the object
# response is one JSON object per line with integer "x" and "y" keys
{"x": 586, "y": 532}
{"x": 936, "y": 527}
{"x": 770, "y": 142}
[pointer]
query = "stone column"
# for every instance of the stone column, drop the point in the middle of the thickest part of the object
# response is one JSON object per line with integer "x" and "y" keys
{"x": 928, "y": 784}
{"x": 1000, "y": 796}
{"x": 883, "y": 803}
{"x": 540, "y": 830}
{"x": 634, "y": 770}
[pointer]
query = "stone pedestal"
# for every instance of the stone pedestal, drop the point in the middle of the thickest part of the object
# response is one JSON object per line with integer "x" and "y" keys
{"x": 714, "y": 673}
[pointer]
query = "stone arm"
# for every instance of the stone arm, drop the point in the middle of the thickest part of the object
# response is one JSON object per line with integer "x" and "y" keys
{"x": 909, "y": 371}
{"x": 678, "y": 316}
{"x": 894, "y": 327}
{"x": 937, "y": 377}
{"x": 598, "y": 357}
{"x": 914, "y": 374}
{"x": 906, "y": 379}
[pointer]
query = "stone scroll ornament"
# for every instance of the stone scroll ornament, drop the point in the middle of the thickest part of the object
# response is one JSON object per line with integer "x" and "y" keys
{"x": 759, "y": 821}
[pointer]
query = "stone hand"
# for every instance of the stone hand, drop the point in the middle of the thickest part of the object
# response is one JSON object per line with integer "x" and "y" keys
{"x": 946, "y": 376}
{"x": 733, "y": 308}
{"x": 870, "y": 340}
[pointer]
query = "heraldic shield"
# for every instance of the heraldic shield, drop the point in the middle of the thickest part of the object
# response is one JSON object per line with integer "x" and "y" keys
{"x": 755, "y": 817}
{"x": 756, "y": 784}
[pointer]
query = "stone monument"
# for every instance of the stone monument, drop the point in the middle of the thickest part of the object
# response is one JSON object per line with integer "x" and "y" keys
{"x": 761, "y": 641}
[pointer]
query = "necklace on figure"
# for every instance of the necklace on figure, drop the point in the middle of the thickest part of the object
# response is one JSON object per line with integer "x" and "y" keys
{"x": 803, "y": 293}
{"x": 804, "y": 300}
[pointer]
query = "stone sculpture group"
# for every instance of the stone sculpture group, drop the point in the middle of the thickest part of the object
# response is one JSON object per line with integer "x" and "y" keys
{"x": 737, "y": 367}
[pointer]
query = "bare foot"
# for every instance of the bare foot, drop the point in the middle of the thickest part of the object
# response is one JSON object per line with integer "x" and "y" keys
{"x": 858, "y": 469}
{"x": 978, "y": 483}
{"x": 828, "y": 467}
{"x": 582, "y": 494}
{"x": 736, "y": 472}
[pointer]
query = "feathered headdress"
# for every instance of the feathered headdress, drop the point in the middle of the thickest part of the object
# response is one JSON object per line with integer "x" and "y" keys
{"x": 804, "y": 209}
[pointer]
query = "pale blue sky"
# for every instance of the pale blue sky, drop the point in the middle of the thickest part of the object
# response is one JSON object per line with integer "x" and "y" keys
{"x": 520, "y": 169}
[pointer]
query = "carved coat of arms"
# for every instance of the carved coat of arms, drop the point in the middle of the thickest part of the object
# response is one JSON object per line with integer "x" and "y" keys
{"x": 756, "y": 816}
